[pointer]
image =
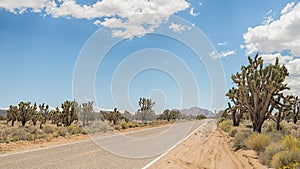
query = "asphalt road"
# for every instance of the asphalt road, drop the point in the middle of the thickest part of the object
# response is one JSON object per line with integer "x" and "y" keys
{"x": 130, "y": 150}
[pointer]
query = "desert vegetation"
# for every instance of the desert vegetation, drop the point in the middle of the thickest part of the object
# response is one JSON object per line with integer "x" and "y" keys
{"x": 27, "y": 121}
{"x": 261, "y": 117}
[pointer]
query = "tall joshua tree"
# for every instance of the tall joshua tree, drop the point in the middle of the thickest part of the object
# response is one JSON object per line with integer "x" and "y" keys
{"x": 145, "y": 112}
{"x": 69, "y": 112}
{"x": 44, "y": 114}
{"x": 26, "y": 111}
{"x": 12, "y": 114}
{"x": 257, "y": 87}
{"x": 87, "y": 113}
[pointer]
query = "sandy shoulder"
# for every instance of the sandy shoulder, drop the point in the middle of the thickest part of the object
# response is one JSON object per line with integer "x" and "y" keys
{"x": 212, "y": 153}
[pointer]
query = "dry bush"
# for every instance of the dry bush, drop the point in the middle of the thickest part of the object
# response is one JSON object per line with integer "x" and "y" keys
{"x": 258, "y": 142}
{"x": 225, "y": 125}
{"x": 285, "y": 158}
{"x": 266, "y": 157}
{"x": 233, "y": 132}
{"x": 124, "y": 125}
{"x": 49, "y": 129}
{"x": 289, "y": 142}
{"x": 240, "y": 138}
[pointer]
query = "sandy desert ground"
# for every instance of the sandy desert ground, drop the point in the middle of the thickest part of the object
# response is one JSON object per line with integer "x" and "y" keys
{"x": 208, "y": 150}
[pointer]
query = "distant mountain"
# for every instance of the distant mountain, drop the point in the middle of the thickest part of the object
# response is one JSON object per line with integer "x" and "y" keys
{"x": 3, "y": 112}
{"x": 197, "y": 111}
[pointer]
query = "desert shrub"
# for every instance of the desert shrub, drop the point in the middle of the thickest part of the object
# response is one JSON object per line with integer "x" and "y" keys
{"x": 117, "y": 127}
{"x": 258, "y": 142}
{"x": 31, "y": 137}
{"x": 131, "y": 125}
{"x": 266, "y": 157}
{"x": 225, "y": 125}
{"x": 290, "y": 142}
{"x": 49, "y": 129}
{"x": 2, "y": 117}
{"x": 233, "y": 132}
{"x": 14, "y": 138}
{"x": 82, "y": 131}
{"x": 269, "y": 126}
{"x": 293, "y": 165}
{"x": 62, "y": 132}
{"x": 286, "y": 158}
{"x": 275, "y": 136}
{"x": 296, "y": 133}
{"x": 20, "y": 133}
{"x": 74, "y": 130}
{"x": 124, "y": 125}
{"x": 240, "y": 137}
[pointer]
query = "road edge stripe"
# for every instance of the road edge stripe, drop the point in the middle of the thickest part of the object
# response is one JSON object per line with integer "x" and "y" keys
{"x": 170, "y": 149}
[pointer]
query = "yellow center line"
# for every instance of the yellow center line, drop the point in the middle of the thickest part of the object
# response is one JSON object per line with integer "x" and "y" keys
{"x": 89, "y": 152}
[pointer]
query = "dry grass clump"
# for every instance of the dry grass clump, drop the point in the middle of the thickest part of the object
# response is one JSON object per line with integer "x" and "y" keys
{"x": 225, "y": 125}
{"x": 258, "y": 142}
{"x": 240, "y": 137}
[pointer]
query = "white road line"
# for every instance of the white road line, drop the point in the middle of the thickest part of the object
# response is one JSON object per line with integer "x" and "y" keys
{"x": 162, "y": 155}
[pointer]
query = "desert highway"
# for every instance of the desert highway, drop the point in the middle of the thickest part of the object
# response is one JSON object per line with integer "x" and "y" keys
{"x": 129, "y": 150}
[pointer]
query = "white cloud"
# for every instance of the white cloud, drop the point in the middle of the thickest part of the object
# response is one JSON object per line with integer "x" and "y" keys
{"x": 192, "y": 12}
{"x": 289, "y": 7}
{"x": 270, "y": 58}
{"x": 179, "y": 28}
{"x": 222, "y": 54}
{"x": 20, "y": 6}
{"x": 267, "y": 20}
{"x": 293, "y": 80}
{"x": 222, "y": 43}
{"x": 278, "y": 35}
{"x": 127, "y": 19}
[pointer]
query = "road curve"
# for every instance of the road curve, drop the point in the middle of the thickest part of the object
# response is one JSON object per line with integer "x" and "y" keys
{"x": 130, "y": 150}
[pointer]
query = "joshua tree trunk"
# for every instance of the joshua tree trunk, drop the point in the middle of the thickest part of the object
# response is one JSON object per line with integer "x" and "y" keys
{"x": 23, "y": 123}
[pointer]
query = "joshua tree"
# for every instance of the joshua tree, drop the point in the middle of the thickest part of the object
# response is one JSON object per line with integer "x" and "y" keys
{"x": 127, "y": 116}
{"x": 55, "y": 116}
{"x": 114, "y": 116}
{"x": 69, "y": 112}
{"x": 35, "y": 117}
{"x": 26, "y": 111}
{"x": 87, "y": 113}
{"x": 257, "y": 88}
{"x": 237, "y": 111}
{"x": 145, "y": 112}
{"x": 169, "y": 115}
{"x": 295, "y": 108}
{"x": 44, "y": 114}
{"x": 283, "y": 105}
{"x": 12, "y": 114}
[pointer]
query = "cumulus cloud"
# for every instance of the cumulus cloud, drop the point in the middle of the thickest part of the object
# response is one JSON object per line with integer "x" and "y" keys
{"x": 192, "y": 12}
{"x": 293, "y": 80}
{"x": 127, "y": 19}
{"x": 222, "y": 54}
{"x": 288, "y": 8}
{"x": 274, "y": 37}
{"x": 20, "y": 6}
{"x": 178, "y": 27}
{"x": 270, "y": 58}
{"x": 277, "y": 35}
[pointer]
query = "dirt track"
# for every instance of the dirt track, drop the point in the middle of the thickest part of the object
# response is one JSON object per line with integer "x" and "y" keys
{"x": 214, "y": 153}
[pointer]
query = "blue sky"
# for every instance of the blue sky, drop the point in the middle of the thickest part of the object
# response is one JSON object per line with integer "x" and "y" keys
{"x": 40, "y": 44}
